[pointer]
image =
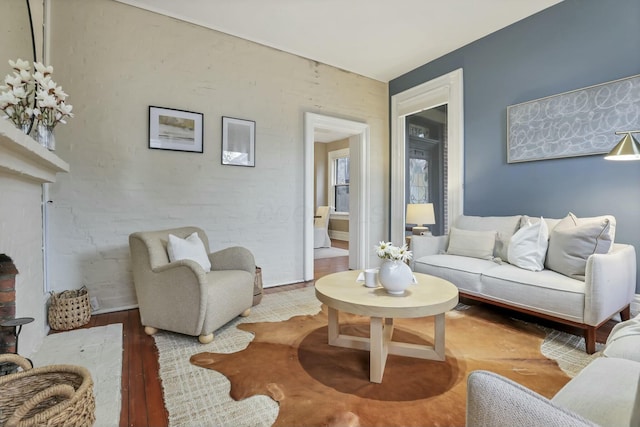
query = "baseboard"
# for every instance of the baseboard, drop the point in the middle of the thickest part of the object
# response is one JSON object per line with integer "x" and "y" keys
{"x": 339, "y": 235}
{"x": 114, "y": 309}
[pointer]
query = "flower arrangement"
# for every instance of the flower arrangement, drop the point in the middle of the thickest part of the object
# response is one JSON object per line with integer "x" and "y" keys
{"x": 33, "y": 98}
{"x": 386, "y": 250}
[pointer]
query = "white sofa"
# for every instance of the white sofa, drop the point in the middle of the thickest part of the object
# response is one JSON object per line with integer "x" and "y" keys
{"x": 594, "y": 279}
{"x": 605, "y": 393}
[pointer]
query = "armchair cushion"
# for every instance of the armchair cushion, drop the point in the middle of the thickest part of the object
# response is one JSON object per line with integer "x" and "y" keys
{"x": 624, "y": 340}
{"x": 190, "y": 248}
{"x": 496, "y": 401}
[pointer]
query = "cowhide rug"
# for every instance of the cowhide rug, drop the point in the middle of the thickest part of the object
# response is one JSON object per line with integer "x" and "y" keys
{"x": 319, "y": 385}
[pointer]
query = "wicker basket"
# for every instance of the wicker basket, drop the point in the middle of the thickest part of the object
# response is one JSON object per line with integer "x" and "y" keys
{"x": 47, "y": 396}
{"x": 69, "y": 309}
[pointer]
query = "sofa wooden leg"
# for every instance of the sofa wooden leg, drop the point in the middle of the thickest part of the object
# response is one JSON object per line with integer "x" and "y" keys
{"x": 246, "y": 313}
{"x": 590, "y": 339}
{"x": 625, "y": 314}
{"x": 150, "y": 330}
{"x": 205, "y": 339}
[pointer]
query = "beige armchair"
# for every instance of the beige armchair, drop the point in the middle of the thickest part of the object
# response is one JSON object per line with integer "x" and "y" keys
{"x": 181, "y": 296}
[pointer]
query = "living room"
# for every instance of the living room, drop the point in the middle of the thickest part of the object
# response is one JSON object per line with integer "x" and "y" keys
{"x": 115, "y": 60}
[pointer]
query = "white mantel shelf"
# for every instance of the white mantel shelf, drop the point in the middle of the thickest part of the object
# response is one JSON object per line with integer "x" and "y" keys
{"x": 21, "y": 155}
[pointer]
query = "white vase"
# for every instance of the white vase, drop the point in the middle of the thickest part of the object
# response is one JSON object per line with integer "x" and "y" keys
{"x": 25, "y": 127}
{"x": 395, "y": 276}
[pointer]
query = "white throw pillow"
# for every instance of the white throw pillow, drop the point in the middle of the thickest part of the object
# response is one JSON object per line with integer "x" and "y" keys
{"x": 504, "y": 226}
{"x": 528, "y": 246}
{"x": 190, "y": 248}
{"x": 475, "y": 244}
{"x": 574, "y": 240}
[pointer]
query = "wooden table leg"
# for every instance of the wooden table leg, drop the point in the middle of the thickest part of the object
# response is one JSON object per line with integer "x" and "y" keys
{"x": 380, "y": 332}
{"x": 438, "y": 339}
{"x": 333, "y": 326}
{"x": 377, "y": 359}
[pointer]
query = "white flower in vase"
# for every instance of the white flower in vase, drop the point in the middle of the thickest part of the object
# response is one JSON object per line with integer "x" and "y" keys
{"x": 387, "y": 250}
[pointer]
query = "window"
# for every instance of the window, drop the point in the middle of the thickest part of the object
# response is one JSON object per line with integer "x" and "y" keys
{"x": 339, "y": 180}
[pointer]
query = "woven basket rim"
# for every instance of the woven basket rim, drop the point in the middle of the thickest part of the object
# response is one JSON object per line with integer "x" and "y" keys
{"x": 86, "y": 386}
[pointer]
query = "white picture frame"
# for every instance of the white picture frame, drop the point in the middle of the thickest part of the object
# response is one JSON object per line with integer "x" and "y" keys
{"x": 238, "y": 142}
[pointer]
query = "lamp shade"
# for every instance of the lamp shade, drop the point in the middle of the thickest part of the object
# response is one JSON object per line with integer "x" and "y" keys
{"x": 420, "y": 214}
{"x": 627, "y": 149}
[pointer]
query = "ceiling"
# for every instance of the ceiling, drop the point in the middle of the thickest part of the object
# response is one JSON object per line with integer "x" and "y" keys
{"x": 380, "y": 39}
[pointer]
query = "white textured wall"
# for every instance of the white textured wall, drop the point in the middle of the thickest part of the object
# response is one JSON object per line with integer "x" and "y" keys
{"x": 114, "y": 61}
{"x": 21, "y": 239}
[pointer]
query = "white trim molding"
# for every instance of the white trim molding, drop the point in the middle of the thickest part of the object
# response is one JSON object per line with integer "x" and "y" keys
{"x": 446, "y": 89}
{"x": 359, "y": 202}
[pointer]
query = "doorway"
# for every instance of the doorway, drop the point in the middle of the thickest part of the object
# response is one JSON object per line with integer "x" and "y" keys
{"x": 426, "y": 148}
{"x": 443, "y": 90}
{"x": 358, "y": 136}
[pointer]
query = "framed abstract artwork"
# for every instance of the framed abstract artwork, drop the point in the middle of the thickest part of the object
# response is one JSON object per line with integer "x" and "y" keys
{"x": 238, "y": 142}
{"x": 176, "y": 130}
{"x": 581, "y": 122}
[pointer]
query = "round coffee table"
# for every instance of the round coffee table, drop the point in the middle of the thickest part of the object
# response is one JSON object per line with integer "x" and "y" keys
{"x": 431, "y": 296}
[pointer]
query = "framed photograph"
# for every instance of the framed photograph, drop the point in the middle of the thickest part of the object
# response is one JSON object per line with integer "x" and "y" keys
{"x": 176, "y": 130}
{"x": 238, "y": 142}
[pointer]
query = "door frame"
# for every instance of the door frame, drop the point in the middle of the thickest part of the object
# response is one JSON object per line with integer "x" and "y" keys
{"x": 446, "y": 89}
{"x": 359, "y": 163}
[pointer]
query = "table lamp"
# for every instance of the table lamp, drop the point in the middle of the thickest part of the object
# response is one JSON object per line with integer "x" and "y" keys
{"x": 420, "y": 214}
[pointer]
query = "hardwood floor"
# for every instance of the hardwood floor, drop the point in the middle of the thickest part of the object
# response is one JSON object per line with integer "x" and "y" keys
{"x": 142, "y": 402}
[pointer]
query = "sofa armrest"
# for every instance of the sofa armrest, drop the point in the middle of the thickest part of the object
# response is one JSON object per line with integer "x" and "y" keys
{"x": 496, "y": 401}
{"x": 610, "y": 283}
{"x": 233, "y": 258}
{"x": 427, "y": 245}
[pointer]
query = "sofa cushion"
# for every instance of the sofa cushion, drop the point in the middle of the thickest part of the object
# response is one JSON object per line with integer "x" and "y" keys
{"x": 504, "y": 226}
{"x": 574, "y": 239}
{"x": 528, "y": 246}
{"x": 464, "y": 272}
{"x": 624, "y": 340}
{"x": 540, "y": 291}
{"x": 475, "y": 244}
{"x": 605, "y": 392}
{"x": 190, "y": 248}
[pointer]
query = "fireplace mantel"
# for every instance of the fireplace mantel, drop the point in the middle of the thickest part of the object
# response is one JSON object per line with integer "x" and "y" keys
{"x": 21, "y": 155}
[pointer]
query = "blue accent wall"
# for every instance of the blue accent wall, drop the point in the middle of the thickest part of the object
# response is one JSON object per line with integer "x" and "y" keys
{"x": 574, "y": 44}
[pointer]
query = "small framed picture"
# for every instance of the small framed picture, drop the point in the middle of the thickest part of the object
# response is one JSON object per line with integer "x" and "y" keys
{"x": 176, "y": 130}
{"x": 238, "y": 142}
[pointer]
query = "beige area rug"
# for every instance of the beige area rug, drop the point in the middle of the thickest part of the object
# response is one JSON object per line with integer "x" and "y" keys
{"x": 320, "y": 253}
{"x": 197, "y": 396}
{"x": 98, "y": 349}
